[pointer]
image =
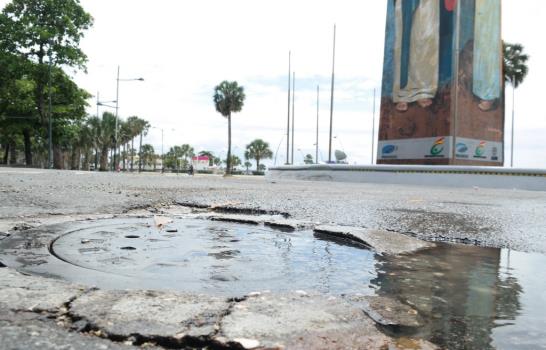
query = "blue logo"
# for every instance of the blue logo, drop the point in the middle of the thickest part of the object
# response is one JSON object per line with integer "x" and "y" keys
{"x": 388, "y": 149}
{"x": 462, "y": 148}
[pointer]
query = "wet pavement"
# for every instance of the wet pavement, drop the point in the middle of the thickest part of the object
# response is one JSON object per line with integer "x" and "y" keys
{"x": 457, "y": 296}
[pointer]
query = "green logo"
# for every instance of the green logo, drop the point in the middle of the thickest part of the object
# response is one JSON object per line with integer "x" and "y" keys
{"x": 438, "y": 147}
{"x": 480, "y": 150}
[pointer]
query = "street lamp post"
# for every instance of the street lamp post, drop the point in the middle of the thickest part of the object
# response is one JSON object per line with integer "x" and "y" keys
{"x": 117, "y": 110}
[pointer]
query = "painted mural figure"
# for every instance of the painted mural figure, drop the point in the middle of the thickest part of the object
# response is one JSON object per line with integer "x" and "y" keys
{"x": 417, "y": 51}
{"x": 487, "y": 53}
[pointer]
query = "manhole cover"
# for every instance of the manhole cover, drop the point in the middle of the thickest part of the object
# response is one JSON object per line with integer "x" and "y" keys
{"x": 215, "y": 257}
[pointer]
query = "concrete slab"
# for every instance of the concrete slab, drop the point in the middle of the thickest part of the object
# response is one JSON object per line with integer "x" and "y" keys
{"x": 150, "y": 314}
{"x": 383, "y": 242}
{"x": 302, "y": 321}
{"x": 33, "y": 293}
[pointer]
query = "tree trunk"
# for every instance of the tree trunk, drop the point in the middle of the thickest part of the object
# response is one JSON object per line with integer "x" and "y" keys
{"x": 74, "y": 159}
{"x": 28, "y": 147}
{"x": 132, "y": 152}
{"x": 124, "y": 155}
{"x": 12, "y": 153}
{"x": 85, "y": 164}
{"x": 6, "y": 154}
{"x": 58, "y": 159}
{"x": 96, "y": 159}
{"x": 140, "y": 154}
{"x": 104, "y": 159}
{"x": 257, "y": 164}
{"x": 228, "y": 163}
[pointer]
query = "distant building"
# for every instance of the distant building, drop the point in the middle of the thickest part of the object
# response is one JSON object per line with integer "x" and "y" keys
{"x": 200, "y": 163}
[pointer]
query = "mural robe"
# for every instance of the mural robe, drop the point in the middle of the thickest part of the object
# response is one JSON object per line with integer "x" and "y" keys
{"x": 487, "y": 50}
{"x": 416, "y": 50}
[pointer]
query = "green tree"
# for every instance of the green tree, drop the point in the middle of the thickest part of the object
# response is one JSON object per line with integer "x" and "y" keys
{"x": 515, "y": 64}
{"x": 37, "y": 29}
{"x": 228, "y": 98}
{"x": 105, "y": 139}
{"x": 148, "y": 155}
{"x": 308, "y": 159}
{"x": 247, "y": 165}
{"x": 258, "y": 150}
{"x": 44, "y": 32}
{"x": 233, "y": 162}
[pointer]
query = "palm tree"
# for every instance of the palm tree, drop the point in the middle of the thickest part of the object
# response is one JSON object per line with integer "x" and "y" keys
{"x": 247, "y": 165}
{"x": 94, "y": 124}
{"x": 106, "y": 138}
{"x": 228, "y": 98}
{"x": 233, "y": 162}
{"x": 148, "y": 155}
{"x": 258, "y": 149}
{"x": 133, "y": 126}
{"x": 187, "y": 152}
{"x": 515, "y": 64}
{"x": 142, "y": 126}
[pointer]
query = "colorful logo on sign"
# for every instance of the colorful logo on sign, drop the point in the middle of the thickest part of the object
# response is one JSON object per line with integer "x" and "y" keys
{"x": 438, "y": 147}
{"x": 389, "y": 149}
{"x": 462, "y": 148}
{"x": 480, "y": 150}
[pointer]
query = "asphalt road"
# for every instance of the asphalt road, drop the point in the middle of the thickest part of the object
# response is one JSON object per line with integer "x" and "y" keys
{"x": 496, "y": 218}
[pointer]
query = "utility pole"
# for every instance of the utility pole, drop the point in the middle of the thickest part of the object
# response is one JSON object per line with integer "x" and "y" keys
{"x": 316, "y": 144}
{"x": 288, "y": 122}
{"x": 513, "y": 115}
{"x": 373, "y": 125}
{"x": 293, "y": 114}
{"x": 50, "y": 122}
{"x": 332, "y": 98}
{"x": 116, "y": 131}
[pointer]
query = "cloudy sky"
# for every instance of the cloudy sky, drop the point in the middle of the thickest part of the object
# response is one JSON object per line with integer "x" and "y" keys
{"x": 184, "y": 48}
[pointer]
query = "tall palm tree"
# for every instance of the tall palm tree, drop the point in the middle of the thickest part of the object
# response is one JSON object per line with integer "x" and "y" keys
{"x": 142, "y": 126}
{"x": 258, "y": 150}
{"x": 133, "y": 126}
{"x": 515, "y": 64}
{"x": 228, "y": 98}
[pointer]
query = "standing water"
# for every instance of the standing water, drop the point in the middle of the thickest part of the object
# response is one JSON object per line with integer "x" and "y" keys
{"x": 469, "y": 297}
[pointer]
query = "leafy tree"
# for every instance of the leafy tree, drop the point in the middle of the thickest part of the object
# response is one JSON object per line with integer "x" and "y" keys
{"x": 258, "y": 150}
{"x": 261, "y": 168}
{"x": 515, "y": 64}
{"x": 40, "y": 33}
{"x": 308, "y": 159}
{"x": 37, "y": 29}
{"x": 228, "y": 98}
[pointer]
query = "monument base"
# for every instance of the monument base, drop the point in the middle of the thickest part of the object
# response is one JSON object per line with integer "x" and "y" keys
{"x": 442, "y": 176}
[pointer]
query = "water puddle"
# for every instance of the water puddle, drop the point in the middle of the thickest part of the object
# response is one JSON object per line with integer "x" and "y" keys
{"x": 469, "y": 297}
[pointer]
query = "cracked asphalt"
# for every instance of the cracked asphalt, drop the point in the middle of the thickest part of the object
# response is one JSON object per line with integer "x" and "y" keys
{"x": 43, "y": 313}
{"x": 489, "y": 217}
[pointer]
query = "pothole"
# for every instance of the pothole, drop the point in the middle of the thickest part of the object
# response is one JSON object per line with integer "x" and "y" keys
{"x": 221, "y": 258}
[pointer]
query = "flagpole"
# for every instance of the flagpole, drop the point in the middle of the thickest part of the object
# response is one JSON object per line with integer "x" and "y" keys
{"x": 288, "y": 122}
{"x": 332, "y": 98}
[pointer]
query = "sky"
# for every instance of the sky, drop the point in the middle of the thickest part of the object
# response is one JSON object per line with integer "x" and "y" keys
{"x": 183, "y": 49}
